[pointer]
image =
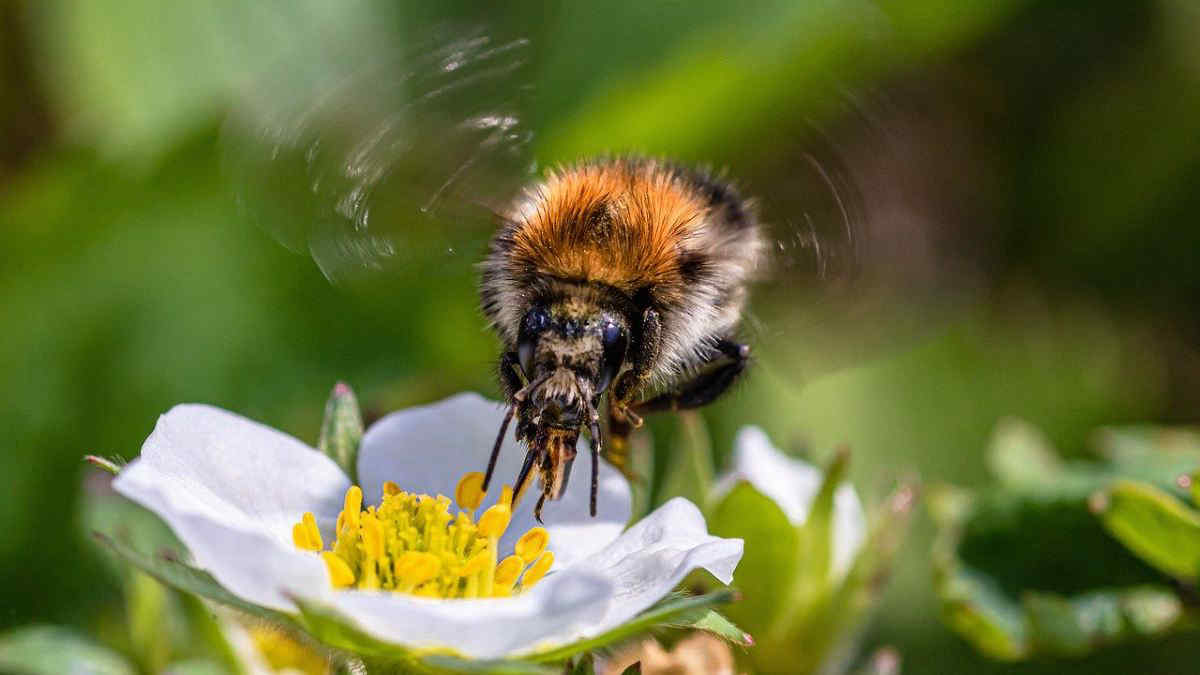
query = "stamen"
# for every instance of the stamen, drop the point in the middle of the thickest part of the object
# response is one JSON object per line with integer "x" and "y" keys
{"x": 532, "y": 543}
{"x": 538, "y": 570}
{"x": 414, "y": 544}
{"x": 469, "y": 493}
{"x": 352, "y": 506}
{"x": 340, "y": 574}
{"x": 495, "y": 520}
{"x": 306, "y": 535}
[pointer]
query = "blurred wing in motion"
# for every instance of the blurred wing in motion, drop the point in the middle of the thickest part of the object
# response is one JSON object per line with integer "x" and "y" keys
{"x": 392, "y": 166}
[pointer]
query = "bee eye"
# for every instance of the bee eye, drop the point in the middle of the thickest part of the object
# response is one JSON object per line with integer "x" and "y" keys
{"x": 535, "y": 322}
{"x": 614, "y": 340}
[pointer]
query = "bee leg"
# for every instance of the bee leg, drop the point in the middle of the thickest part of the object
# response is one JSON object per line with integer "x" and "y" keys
{"x": 622, "y": 420}
{"x": 594, "y": 430}
{"x": 511, "y": 376}
{"x": 706, "y": 387}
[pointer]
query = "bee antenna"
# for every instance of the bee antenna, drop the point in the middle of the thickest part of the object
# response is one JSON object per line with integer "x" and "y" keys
{"x": 517, "y": 399}
{"x": 487, "y": 477}
{"x": 594, "y": 443}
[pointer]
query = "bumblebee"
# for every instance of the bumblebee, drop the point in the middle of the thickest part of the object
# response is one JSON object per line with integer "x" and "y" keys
{"x": 616, "y": 285}
{"x": 614, "y": 277}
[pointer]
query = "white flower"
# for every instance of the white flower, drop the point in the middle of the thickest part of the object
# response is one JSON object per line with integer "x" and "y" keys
{"x": 793, "y": 484}
{"x": 233, "y": 489}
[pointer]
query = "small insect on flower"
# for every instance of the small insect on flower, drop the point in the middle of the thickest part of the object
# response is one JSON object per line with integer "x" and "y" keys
{"x": 603, "y": 277}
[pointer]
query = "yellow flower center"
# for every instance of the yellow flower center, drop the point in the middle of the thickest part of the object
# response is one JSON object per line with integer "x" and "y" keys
{"x": 413, "y": 544}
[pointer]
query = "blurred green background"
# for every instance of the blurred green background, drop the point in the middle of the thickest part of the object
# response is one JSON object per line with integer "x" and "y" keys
{"x": 1032, "y": 171}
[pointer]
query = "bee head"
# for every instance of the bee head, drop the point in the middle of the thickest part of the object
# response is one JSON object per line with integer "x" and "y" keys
{"x": 576, "y": 346}
{"x": 570, "y": 352}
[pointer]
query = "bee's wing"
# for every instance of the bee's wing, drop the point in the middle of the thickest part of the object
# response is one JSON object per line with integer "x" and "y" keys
{"x": 845, "y": 244}
{"x": 393, "y": 165}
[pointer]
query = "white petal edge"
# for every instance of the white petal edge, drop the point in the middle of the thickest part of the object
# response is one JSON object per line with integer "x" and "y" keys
{"x": 428, "y": 448}
{"x": 483, "y": 629}
{"x": 230, "y": 489}
{"x": 793, "y": 484}
{"x": 651, "y": 558}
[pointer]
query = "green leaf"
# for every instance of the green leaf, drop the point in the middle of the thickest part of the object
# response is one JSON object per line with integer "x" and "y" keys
{"x": 716, "y": 623}
{"x": 1020, "y": 455}
{"x": 51, "y": 650}
{"x": 148, "y": 610}
{"x": 1064, "y": 566}
{"x": 342, "y": 429}
{"x": 1077, "y": 625}
{"x": 771, "y": 557}
{"x": 689, "y": 470}
{"x": 194, "y": 667}
{"x": 1156, "y": 526}
{"x": 584, "y": 665}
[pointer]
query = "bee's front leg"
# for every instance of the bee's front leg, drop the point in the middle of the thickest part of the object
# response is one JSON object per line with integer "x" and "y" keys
{"x": 512, "y": 378}
{"x": 622, "y": 420}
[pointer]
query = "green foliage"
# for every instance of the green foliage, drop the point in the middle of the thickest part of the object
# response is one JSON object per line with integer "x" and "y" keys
{"x": 1061, "y": 558}
{"x": 342, "y": 430}
{"x": 800, "y": 613}
{"x": 51, "y": 650}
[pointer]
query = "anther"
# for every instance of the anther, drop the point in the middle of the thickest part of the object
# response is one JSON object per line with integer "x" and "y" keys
{"x": 495, "y": 520}
{"x": 340, "y": 574}
{"x": 532, "y": 543}
{"x": 538, "y": 570}
{"x": 469, "y": 493}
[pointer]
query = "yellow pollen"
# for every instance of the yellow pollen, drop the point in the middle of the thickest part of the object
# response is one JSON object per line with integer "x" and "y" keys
{"x": 469, "y": 493}
{"x": 340, "y": 574}
{"x": 495, "y": 520}
{"x": 413, "y": 543}
{"x": 538, "y": 570}
{"x": 508, "y": 570}
{"x": 415, "y": 567}
{"x": 352, "y": 507}
{"x": 476, "y": 564}
{"x": 306, "y": 535}
{"x": 532, "y": 543}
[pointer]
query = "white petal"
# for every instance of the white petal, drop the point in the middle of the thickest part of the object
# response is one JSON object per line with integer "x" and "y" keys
{"x": 793, "y": 484}
{"x": 428, "y": 448}
{"x": 487, "y": 628}
{"x": 231, "y": 489}
{"x": 653, "y": 556}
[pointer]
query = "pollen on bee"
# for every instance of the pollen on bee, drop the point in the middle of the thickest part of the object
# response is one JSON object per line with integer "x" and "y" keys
{"x": 413, "y": 544}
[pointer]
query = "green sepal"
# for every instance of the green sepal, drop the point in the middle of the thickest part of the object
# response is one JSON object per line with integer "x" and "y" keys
{"x": 689, "y": 469}
{"x": 342, "y": 429}
{"x": 770, "y": 558}
{"x": 678, "y": 610}
{"x": 714, "y": 622}
{"x": 53, "y": 650}
{"x": 1156, "y": 526}
{"x": 584, "y": 665}
{"x": 112, "y": 466}
{"x": 336, "y": 630}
